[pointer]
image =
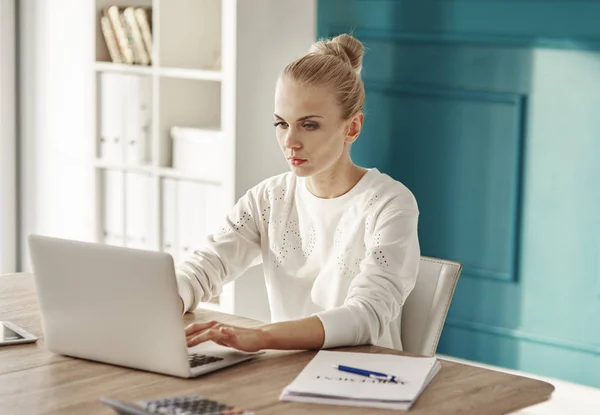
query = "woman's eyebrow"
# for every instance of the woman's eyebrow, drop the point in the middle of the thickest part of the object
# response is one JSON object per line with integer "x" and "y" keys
{"x": 306, "y": 117}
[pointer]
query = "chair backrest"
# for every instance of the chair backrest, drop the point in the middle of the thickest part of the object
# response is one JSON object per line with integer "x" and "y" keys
{"x": 425, "y": 309}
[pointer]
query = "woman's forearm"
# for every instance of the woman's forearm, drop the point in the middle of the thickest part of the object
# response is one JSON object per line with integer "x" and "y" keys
{"x": 306, "y": 333}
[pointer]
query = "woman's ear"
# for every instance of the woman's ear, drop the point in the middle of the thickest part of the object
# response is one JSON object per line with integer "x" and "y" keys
{"x": 355, "y": 127}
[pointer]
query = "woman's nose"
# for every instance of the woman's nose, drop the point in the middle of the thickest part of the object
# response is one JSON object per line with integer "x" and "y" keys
{"x": 291, "y": 140}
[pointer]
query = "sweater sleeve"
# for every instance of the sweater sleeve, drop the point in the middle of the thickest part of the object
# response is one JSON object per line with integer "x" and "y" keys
{"x": 387, "y": 276}
{"x": 226, "y": 255}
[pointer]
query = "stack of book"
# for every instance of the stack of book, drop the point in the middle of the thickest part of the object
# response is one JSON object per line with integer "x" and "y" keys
{"x": 127, "y": 32}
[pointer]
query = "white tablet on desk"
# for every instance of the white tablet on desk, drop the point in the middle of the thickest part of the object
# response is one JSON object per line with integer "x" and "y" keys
{"x": 12, "y": 334}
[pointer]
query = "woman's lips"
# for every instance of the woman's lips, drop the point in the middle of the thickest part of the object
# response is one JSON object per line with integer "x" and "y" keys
{"x": 297, "y": 161}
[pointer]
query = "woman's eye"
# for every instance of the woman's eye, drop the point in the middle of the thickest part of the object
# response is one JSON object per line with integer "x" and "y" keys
{"x": 280, "y": 124}
{"x": 310, "y": 126}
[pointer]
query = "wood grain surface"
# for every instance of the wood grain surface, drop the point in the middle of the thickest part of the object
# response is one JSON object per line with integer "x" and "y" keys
{"x": 36, "y": 381}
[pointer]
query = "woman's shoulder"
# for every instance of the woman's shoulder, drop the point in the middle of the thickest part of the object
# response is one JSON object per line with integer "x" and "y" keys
{"x": 275, "y": 187}
{"x": 391, "y": 192}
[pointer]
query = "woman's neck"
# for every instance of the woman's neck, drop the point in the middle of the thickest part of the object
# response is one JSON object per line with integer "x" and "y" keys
{"x": 336, "y": 181}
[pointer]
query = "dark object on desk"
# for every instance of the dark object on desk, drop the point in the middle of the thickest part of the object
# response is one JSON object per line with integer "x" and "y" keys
{"x": 123, "y": 408}
{"x": 181, "y": 405}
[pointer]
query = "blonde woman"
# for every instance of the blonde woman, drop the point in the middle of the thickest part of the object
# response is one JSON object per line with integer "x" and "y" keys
{"x": 338, "y": 242}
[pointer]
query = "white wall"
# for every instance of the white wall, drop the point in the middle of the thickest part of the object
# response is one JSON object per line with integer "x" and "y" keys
{"x": 270, "y": 34}
{"x": 8, "y": 189}
{"x": 56, "y": 123}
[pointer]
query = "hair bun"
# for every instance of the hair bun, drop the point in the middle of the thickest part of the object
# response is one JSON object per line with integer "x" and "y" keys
{"x": 345, "y": 47}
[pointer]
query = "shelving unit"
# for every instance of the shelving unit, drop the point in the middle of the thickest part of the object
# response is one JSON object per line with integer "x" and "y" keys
{"x": 214, "y": 66}
{"x": 122, "y": 68}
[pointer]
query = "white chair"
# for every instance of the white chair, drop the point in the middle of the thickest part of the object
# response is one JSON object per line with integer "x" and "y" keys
{"x": 425, "y": 309}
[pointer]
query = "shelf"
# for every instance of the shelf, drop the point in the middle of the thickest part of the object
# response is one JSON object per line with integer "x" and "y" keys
{"x": 177, "y": 73}
{"x": 167, "y": 172}
{"x": 198, "y": 74}
{"x": 123, "y": 68}
{"x": 102, "y": 164}
{"x": 179, "y": 175}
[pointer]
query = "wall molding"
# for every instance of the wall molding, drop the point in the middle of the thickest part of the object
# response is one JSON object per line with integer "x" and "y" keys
{"x": 474, "y": 39}
{"x": 598, "y": 271}
{"x": 518, "y": 101}
{"x": 434, "y": 91}
{"x": 484, "y": 273}
{"x": 523, "y": 336}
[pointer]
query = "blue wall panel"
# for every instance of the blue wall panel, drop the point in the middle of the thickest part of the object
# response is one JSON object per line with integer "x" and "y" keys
{"x": 488, "y": 111}
{"x": 460, "y": 151}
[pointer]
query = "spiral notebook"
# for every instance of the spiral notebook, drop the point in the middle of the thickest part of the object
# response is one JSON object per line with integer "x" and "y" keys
{"x": 321, "y": 382}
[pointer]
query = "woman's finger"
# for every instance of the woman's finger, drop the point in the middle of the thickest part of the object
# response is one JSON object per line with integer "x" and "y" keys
{"x": 198, "y": 327}
{"x": 195, "y": 333}
{"x": 217, "y": 327}
{"x": 212, "y": 334}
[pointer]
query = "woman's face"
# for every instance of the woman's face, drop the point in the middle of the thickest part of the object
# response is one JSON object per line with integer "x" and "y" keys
{"x": 309, "y": 127}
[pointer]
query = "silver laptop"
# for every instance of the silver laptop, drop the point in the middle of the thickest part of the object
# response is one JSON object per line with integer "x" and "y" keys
{"x": 119, "y": 306}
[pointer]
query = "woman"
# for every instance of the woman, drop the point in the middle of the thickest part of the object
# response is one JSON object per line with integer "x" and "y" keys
{"x": 338, "y": 242}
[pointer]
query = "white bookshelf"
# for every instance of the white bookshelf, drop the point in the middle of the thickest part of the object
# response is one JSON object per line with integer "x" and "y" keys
{"x": 122, "y": 68}
{"x": 214, "y": 66}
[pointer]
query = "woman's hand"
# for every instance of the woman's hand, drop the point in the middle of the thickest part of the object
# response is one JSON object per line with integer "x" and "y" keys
{"x": 246, "y": 340}
{"x": 306, "y": 333}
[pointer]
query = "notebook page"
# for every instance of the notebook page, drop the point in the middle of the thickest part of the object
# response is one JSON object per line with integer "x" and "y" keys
{"x": 320, "y": 379}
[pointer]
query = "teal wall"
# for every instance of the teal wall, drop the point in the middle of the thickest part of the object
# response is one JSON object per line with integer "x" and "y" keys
{"x": 489, "y": 111}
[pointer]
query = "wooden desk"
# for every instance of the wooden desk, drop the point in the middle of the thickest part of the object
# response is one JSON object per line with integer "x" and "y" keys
{"x": 35, "y": 381}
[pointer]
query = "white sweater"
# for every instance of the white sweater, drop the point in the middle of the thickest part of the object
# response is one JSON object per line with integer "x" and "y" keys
{"x": 351, "y": 260}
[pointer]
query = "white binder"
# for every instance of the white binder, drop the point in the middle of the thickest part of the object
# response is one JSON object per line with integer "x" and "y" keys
{"x": 113, "y": 208}
{"x": 137, "y": 96}
{"x": 169, "y": 218}
{"x": 138, "y": 214}
{"x": 190, "y": 212}
{"x": 111, "y": 117}
{"x": 186, "y": 206}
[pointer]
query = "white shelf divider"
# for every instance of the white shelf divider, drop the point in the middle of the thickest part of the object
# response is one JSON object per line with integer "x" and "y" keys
{"x": 184, "y": 175}
{"x": 197, "y": 74}
{"x": 124, "y": 68}
{"x": 144, "y": 169}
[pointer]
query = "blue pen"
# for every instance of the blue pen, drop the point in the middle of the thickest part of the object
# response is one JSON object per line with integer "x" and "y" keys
{"x": 368, "y": 373}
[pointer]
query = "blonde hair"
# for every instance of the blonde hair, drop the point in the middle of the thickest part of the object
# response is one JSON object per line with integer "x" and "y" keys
{"x": 335, "y": 62}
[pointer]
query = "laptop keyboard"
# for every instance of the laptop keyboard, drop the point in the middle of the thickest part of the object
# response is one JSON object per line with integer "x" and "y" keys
{"x": 196, "y": 359}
